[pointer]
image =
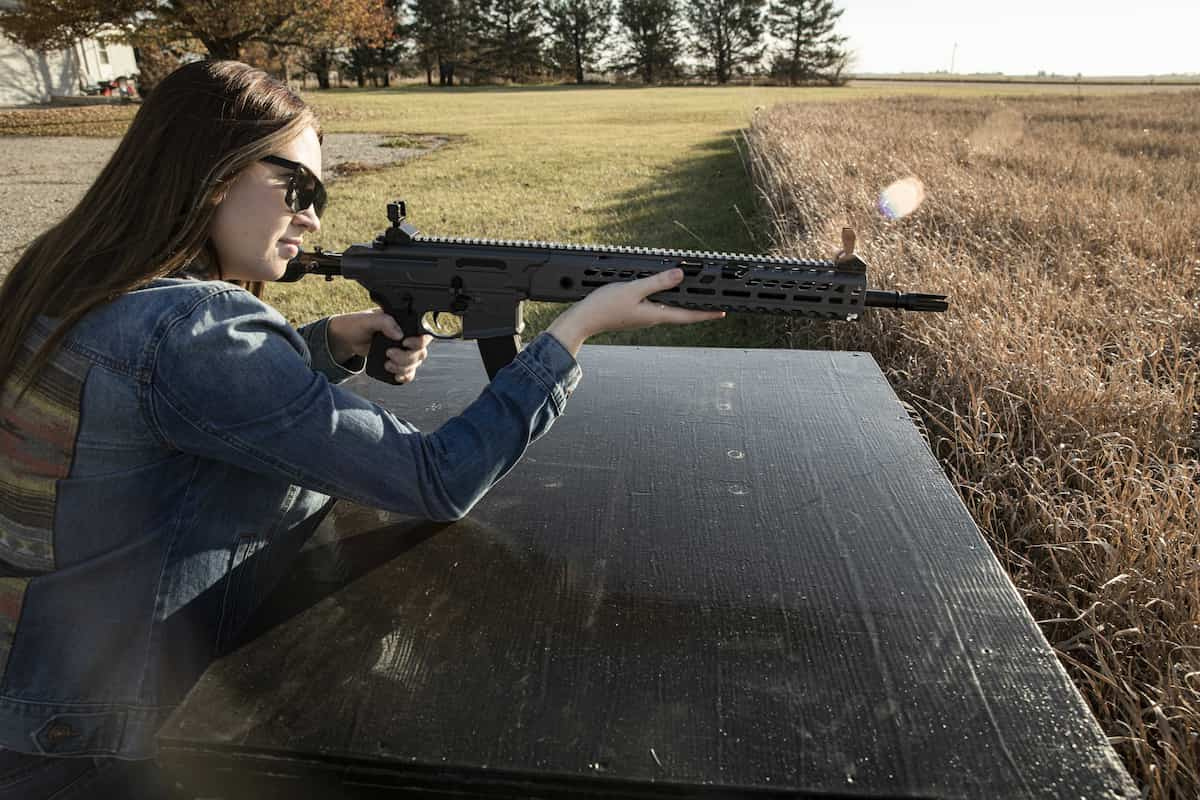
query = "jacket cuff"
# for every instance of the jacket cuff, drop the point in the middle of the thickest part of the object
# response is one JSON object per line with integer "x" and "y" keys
{"x": 550, "y": 364}
{"x": 316, "y": 336}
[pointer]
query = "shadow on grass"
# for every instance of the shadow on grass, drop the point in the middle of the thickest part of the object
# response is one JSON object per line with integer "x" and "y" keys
{"x": 703, "y": 201}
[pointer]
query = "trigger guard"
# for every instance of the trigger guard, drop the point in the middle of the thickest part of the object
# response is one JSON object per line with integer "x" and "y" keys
{"x": 427, "y": 332}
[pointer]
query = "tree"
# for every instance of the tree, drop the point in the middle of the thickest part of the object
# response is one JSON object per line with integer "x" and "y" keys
{"x": 651, "y": 30}
{"x": 363, "y": 62}
{"x": 578, "y": 30}
{"x": 439, "y": 30}
{"x": 811, "y": 48}
{"x": 727, "y": 34}
{"x": 222, "y": 29}
{"x": 52, "y": 25}
{"x": 154, "y": 63}
{"x": 320, "y": 62}
{"x": 509, "y": 38}
{"x": 373, "y": 58}
{"x": 841, "y": 60}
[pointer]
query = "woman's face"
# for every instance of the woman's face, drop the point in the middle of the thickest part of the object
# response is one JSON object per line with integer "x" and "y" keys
{"x": 254, "y": 232}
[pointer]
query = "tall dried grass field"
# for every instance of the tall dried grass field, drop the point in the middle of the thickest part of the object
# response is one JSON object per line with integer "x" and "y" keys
{"x": 1060, "y": 390}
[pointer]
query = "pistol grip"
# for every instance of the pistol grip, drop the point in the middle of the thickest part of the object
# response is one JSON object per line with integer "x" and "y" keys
{"x": 377, "y": 357}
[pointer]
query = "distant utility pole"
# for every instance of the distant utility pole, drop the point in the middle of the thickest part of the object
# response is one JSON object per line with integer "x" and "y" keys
{"x": 953, "y": 53}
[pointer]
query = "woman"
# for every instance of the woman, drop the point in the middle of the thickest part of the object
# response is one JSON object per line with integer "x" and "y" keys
{"x": 164, "y": 433}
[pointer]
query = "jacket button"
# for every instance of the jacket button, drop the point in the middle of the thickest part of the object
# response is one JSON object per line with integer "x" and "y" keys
{"x": 59, "y": 731}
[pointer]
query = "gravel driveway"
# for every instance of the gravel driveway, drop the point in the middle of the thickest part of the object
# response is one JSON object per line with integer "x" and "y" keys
{"x": 43, "y": 177}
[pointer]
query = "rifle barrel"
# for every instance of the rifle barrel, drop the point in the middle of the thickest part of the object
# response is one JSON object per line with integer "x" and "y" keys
{"x": 909, "y": 301}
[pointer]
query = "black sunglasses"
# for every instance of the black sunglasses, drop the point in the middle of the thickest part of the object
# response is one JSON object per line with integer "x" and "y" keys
{"x": 304, "y": 188}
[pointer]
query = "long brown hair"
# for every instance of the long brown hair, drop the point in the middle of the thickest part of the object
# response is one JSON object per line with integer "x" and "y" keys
{"x": 149, "y": 212}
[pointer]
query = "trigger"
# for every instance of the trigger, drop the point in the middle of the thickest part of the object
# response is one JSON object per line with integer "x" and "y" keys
{"x": 437, "y": 324}
{"x": 438, "y": 331}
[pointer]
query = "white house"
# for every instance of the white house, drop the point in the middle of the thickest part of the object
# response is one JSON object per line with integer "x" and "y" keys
{"x": 32, "y": 76}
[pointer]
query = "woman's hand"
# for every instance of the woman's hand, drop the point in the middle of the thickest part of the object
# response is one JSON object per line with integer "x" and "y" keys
{"x": 623, "y": 306}
{"x": 350, "y": 335}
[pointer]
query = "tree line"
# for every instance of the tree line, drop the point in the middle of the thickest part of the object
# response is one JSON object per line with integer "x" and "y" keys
{"x": 456, "y": 41}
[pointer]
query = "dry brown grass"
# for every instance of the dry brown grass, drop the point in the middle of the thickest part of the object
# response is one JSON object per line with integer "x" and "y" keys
{"x": 67, "y": 121}
{"x": 113, "y": 120}
{"x": 1060, "y": 391}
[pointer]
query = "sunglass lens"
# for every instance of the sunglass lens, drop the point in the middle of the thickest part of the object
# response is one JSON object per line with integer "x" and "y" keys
{"x": 309, "y": 192}
{"x": 319, "y": 198}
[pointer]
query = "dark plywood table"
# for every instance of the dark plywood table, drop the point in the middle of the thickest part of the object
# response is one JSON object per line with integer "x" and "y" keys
{"x": 722, "y": 573}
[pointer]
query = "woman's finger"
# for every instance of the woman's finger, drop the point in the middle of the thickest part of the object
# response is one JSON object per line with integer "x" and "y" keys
{"x": 411, "y": 352}
{"x": 664, "y": 280}
{"x": 671, "y": 315}
{"x": 402, "y": 361}
{"x": 381, "y": 322}
{"x": 417, "y": 342}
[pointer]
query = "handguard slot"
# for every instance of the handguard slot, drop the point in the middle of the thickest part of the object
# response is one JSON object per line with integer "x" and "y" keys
{"x": 481, "y": 263}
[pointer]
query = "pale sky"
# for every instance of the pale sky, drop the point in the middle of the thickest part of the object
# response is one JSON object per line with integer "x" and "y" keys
{"x": 1103, "y": 37}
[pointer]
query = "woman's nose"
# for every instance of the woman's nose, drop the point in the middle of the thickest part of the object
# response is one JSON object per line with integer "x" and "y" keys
{"x": 310, "y": 219}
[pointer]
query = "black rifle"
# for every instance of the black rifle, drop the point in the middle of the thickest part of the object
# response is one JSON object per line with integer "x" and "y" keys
{"x": 484, "y": 281}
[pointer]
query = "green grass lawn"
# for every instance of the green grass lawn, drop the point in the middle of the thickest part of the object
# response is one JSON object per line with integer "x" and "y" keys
{"x": 610, "y": 165}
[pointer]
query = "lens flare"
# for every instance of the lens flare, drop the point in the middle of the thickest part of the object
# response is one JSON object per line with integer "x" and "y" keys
{"x": 901, "y": 198}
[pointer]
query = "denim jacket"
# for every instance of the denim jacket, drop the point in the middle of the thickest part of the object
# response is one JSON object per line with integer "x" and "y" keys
{"x": 181, "y": 432}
